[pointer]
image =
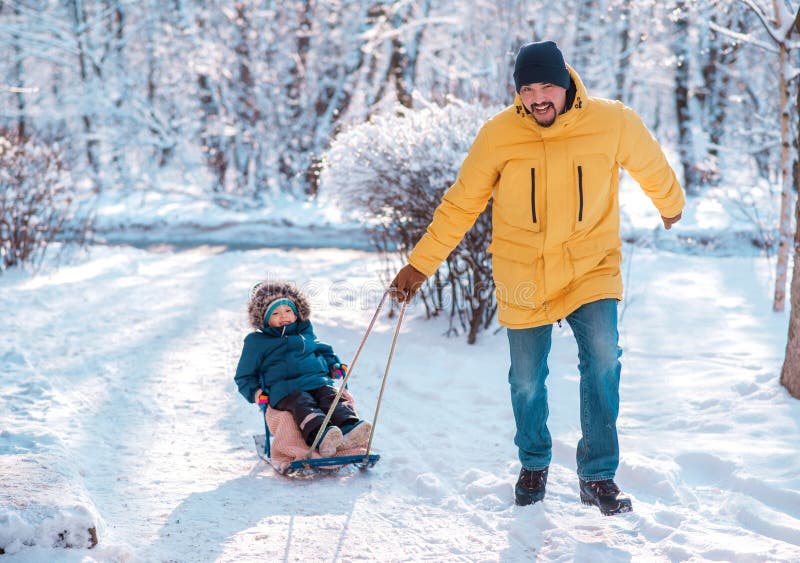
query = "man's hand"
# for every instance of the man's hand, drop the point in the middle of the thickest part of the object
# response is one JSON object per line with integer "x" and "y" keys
{"x": 669, "y": 221}
{"x": 406, "y": 283}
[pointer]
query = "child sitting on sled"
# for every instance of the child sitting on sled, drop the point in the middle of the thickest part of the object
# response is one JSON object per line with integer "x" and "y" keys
{"x": 296, "y": 368}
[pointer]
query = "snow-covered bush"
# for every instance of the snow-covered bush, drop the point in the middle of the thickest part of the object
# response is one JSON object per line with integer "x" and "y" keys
{"x": 38, "y": 202}
{"x": 392, "y": 171}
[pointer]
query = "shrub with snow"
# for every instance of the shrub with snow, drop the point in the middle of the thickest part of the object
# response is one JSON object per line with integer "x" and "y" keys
{"x": 392, "y": 171}
{"x": 38, "y": 203}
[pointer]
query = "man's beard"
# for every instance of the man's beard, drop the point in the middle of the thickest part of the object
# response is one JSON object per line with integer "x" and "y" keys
{"x": 548, "y": 122}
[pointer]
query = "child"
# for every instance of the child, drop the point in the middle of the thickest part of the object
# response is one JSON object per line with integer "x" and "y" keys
{"x": 296, "y": 369}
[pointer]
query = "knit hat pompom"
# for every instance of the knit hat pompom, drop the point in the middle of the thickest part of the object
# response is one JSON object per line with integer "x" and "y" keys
{"x": 540, "y": 61}
{"x": 266, "y": 295}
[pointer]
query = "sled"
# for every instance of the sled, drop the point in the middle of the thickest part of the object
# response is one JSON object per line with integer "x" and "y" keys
{"x": 313, "y": 464}
{"x": 291, "y": 454}
{"x": 309, "y": 461}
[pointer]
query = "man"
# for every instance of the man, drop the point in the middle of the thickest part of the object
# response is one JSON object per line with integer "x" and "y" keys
{"x": 550, "y": 161}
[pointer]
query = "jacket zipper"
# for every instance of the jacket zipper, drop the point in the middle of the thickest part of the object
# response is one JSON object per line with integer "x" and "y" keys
{"x": 580, "y": 193}
{"x": 533, "y": 194}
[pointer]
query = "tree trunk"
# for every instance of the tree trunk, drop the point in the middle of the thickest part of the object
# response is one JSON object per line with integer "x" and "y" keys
{"x": 403, "y": 63}
{"x": 166, "y": 144}
{"x": 787, "y": 194}
{"x": 790, "y": 374}
{"x": 296, "y": 88}
{"x": 721, "y": 58}
{"x": 399, "y": 71}
{"x": 624, "y": 61}
{"x": 117, "y": 43}
{"x": 213, "y": 142}
{"x": 79, "y": 20}
{"x": 683, "y": 114}
{"x": 247, "y": 112}
{"x": 19, "y": 74}
{"x": 585, "y": 25}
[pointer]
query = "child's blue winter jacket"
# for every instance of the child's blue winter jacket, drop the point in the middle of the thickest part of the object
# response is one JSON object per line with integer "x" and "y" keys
{"x": 287, "y": 359}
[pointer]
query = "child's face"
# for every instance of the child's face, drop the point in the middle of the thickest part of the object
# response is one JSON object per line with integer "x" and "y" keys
{"x": 281, "y": 316}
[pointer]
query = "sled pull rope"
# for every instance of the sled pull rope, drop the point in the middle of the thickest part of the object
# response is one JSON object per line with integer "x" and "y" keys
{"x": 352, "y": 368}
{"x": 385, "y": 376}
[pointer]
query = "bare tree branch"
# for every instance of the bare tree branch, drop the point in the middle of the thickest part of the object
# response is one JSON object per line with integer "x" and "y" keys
{"x": 745, "y": 38}
{"x": 773, "y": 31}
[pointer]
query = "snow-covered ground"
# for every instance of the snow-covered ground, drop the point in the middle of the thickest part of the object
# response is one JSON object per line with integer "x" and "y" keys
{"x": 117, "y": 406}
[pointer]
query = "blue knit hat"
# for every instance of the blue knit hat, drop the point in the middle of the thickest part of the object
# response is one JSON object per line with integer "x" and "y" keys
{"x": 277, "y": 303}
{"x": 540, "y": 61}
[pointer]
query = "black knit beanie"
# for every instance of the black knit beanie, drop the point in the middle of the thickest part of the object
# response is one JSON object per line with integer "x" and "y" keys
{"x": 540, "y": 61}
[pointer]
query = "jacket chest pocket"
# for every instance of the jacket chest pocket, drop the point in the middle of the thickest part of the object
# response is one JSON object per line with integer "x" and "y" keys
{"x": 592, "y": 185}
{"x": 519, "y": 196}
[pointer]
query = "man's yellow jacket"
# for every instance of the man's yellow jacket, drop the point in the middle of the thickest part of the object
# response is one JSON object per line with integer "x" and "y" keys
{"x": 555, "y": 204}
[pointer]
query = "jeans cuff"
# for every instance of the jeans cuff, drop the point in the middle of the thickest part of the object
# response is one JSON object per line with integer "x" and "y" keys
{"x": 536, "y": 468}
{"x": 593, "y": 478}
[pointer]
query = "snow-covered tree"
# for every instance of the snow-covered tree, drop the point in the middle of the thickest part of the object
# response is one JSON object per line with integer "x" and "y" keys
{"x": 781, "y": 21}
{"x": 244, "y": 97}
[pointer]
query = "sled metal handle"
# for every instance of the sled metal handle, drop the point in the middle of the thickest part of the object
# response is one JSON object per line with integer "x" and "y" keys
{"x": 338, "y": 396}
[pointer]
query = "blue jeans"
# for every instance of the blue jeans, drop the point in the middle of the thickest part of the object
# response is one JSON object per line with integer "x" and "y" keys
{"x": 595, "y": 328}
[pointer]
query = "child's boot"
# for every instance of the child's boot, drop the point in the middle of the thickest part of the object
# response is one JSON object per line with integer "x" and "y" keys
{"x": 330, "y": 442}
{"x": 356, "y": 435}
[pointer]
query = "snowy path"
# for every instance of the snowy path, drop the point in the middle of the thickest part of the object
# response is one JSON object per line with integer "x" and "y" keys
{"x": 125, "y": 361}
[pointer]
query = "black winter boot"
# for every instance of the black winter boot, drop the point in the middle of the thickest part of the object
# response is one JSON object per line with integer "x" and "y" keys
{"x": 605, "y": 495}
{"x": 530, "y": 486}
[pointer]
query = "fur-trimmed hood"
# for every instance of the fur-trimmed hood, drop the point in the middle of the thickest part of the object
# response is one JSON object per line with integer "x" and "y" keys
{"x": 266, "y": 292}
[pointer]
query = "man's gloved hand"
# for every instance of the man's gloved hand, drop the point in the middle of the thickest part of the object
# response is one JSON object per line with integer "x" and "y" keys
{"x": 338, "y": 371}
{"x": 406, "y": 283}
{"x": 261, "y": 398}
{"x": 669, "y": 221}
